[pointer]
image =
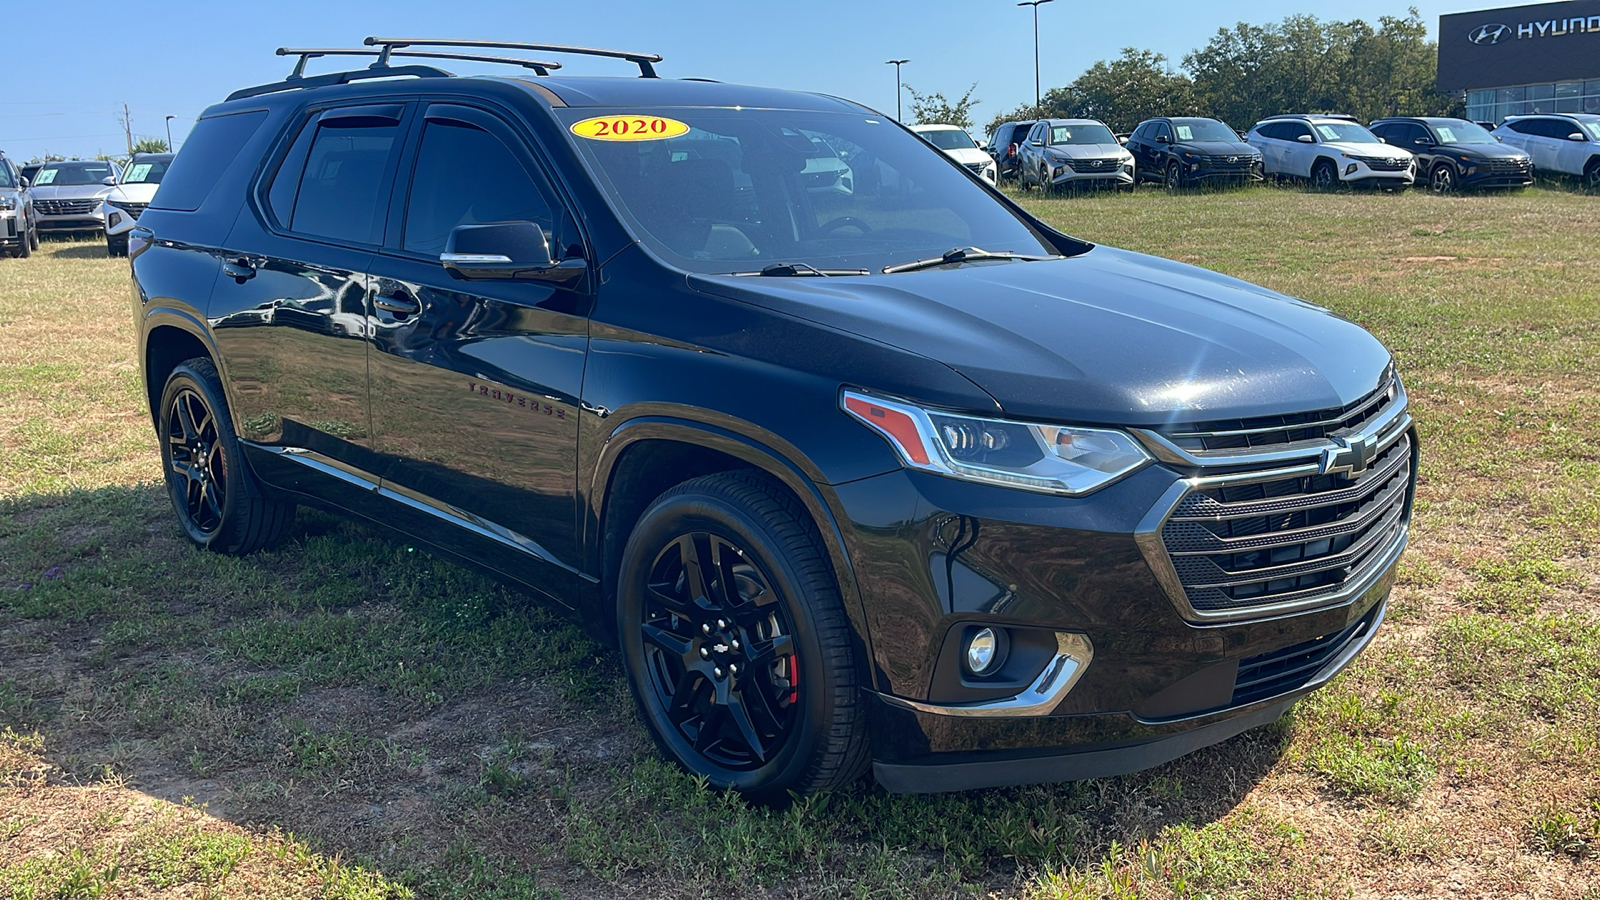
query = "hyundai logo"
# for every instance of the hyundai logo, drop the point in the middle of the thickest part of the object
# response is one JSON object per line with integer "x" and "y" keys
{"x": 1096, "y": 163}
{"x": 1489, "y": 35}
{"x": 1233, "y": 159}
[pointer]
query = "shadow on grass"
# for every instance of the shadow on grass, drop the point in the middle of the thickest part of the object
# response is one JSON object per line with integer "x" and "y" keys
{"x": 407, "y": 714}
{"x": 74, "y": 249}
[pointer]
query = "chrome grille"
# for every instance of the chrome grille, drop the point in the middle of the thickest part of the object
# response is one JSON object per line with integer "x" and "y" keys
{"x": 1385, "y": 163}
{"x": 132, "y": 209}
{"x": 1096, "y": 166}
{"x": 66, "y": 207}
{"x": 978, "y": 167}
{"x": 1506, "y": 166}
{"x": 1273, "y": 539}
{"x": 1264, "y": 431}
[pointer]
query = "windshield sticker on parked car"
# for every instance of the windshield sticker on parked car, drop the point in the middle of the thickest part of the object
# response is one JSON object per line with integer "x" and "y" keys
{"x": 1328, "y": 132}
{"x": 1446, "y": 135}
{"x": 45, "y": 177}
{"x": 138, "y": 172}
{"x": 629, "y": 128}
{"x": 1185, "y": 133}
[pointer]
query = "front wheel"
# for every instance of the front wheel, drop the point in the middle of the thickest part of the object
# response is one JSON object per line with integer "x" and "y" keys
{"x": 1591, "y": 176}
{"x": 1324, "y": 177}
{"x": 116, "y": 245}
{"x": 218, "y": 501}
{"x": 736, "y": 642}
{"x": 1174, "y": 176}
{"x": 1443, "y": 179}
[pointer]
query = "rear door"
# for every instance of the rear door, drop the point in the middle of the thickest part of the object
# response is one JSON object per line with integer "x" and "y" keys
{"x": 290, "y": 307}
{"x": 475, "y": 384}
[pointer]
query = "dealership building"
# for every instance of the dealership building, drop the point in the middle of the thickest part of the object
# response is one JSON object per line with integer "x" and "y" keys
{"x": 1518, "y": 60}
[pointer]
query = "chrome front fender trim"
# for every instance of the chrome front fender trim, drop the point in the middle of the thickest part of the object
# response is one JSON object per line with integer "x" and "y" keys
{"x": 1072, "y": 657}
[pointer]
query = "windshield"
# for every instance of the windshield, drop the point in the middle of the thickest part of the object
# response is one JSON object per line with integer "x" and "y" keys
{"x": 1349, "y": 132}
{"x": 1203, "y": 130}
{"x": 737, "y": 190}
{"x": 72, "y": 173}
{"x": 1081, "y": 134}
{"x": 1593, "y": 128}
{"x": 5, "y": 177}
{"x": 145, "y": 171}
{"x": 1460, "y": 131}
{"x": 947, "y": 139}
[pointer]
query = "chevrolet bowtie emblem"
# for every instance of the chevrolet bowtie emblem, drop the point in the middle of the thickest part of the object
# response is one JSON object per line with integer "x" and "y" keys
{"x": 1349, "y": 457}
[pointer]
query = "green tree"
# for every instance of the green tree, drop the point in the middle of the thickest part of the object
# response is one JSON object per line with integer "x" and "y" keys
{"x": 150, "y": 145}
{"x": 935, "y": 109}
{"x": 1124, "y": 91}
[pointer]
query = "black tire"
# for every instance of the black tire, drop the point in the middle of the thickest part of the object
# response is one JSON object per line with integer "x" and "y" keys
{"x": 1443, "y": 180}
{"x": 1324, "y": 176}
{"x": 116, "y": 245}
{"x": 784, "y": 650}
{"x": 219, "y": 503}
{"x": 1174, "y": 176}
{"x": 1591, "y": 176}
{"x": 33, "y": 237}
{"x": 1044, "y": 179}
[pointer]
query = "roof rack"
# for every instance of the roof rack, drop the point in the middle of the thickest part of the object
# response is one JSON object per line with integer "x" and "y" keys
{"x": 645, "y": 61}
{"x": 1314, "y": 115}
{"x": 539, "y": 67}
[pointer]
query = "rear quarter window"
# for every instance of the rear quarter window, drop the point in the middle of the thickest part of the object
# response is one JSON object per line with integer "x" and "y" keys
{"x": 210, "y": 149}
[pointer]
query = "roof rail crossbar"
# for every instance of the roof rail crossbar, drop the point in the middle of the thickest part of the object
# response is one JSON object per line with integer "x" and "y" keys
{"x": 539, "y": 67}
{"x": 297, "y": 79}
{"x": 645, "y": 61}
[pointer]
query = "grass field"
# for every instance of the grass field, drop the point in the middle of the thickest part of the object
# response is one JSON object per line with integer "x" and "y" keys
{"x": 347, "y": 717}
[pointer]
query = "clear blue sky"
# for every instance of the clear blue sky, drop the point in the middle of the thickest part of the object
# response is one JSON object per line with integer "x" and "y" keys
{"x": 63, "y": 92}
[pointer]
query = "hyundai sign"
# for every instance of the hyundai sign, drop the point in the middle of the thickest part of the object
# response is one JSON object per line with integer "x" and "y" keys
{"x": 1537, "y": 44}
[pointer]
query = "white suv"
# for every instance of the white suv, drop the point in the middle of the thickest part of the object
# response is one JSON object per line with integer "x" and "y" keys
{"x": 1329, "y": 150}
{"x": 1568, "y": 143}
{"x": 959, "y": 146}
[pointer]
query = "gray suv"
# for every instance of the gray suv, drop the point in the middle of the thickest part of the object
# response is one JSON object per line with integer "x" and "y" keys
{"x": 19, "y": 232}
{"x": 67, "y": 195}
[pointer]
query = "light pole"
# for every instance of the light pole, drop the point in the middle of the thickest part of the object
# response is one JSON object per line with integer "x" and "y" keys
{"x": 1035, "y": 4}
{"x": 897, "y": 63}
{"x": 169, "y": 133}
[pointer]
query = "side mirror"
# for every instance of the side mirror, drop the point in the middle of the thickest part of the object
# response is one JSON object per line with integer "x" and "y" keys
{"x": 1423, "y": 142}
{"x": 506, "y": 251}
{"x": 1576, "y": 136}
{"x": 1163, "y": 139}
{"x": 108, "y": 181}
{"x": 1037, "y": 143}
{"x": 25, "y": 182}
{"x": 1306, "y": 139}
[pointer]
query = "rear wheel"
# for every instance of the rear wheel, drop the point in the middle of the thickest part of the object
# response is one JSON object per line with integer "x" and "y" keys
{"x": 1443, "y": 179}
{"x": 218, "y": 501}
{"x": 736, "y": 642}
{"x": 1324, "y": 177}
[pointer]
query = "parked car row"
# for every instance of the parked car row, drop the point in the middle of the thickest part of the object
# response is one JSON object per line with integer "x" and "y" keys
{"x": 75, "y": 196}
{"x": 1324, "y": 151}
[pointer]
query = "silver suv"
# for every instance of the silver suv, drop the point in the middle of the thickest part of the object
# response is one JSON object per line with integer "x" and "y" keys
{"x": 19, "y": 230}
{"x": 67, "y": 195}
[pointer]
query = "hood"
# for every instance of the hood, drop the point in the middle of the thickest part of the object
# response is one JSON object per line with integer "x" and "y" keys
{"x": 1089, "y": 151}
{"x": 1496, "y": 150}
{"x": 1217, "y": 148}
{"x": 70, "y": 191}
{"x": 134, "y": 193}
{"x": 1381, "y": 151}
{"x": 1105, "y": 337}
{"x": 966, "y": 155}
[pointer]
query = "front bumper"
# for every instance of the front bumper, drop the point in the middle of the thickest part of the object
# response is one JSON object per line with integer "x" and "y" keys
{"x": 89, "y": 222}
{"x": 936, "y": 558}
{"x": 1357, "y": 172}
{"x": 1064, "y": 175}
{"x": 116, "y": 220}
{"x": 12, "y": 228}
{"x": 1473, "y": 177}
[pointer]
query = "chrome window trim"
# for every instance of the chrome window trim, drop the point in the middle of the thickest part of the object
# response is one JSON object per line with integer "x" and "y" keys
{"x": 1072, "y": 658}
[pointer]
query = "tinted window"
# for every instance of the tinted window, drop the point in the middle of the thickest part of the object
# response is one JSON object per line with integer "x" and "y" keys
{"x": 948, "y": 139}
{"x": 1162, "y": 131}
{"x": 211, "y": 147}
{"x": 1271, "y": 130}
{"x": 465, "y": 176}
{"x": 1522, "y": 126}
{"x": 147, "y": 170}
{"x": 1293, "y": 130}
{"x": 343, "y": 182}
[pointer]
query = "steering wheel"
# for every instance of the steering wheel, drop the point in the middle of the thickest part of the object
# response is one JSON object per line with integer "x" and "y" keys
{"x": 844, "y": 222}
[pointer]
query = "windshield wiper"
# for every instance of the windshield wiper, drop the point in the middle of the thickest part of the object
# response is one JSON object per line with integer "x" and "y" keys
{"x": 960, "y": 255}
{"x": 789, "y": 270}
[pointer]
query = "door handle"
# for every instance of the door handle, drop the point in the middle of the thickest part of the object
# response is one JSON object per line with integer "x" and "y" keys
{"x": 398, "y": 304}
{"x": 240, "y": 269}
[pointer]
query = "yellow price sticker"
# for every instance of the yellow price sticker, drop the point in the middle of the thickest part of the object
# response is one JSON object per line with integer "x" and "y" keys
{"x": 629, "y": 128}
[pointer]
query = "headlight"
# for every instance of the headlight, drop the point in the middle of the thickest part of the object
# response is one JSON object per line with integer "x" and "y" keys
{"x": 8, "y": 203}
{"x": 1053, "y": 459}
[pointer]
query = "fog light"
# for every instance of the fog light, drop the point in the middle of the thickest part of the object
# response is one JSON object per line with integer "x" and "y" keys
{"x": 1350, "y": 169}
{"x": 983, "y": 651}
{"x": 115, "y": 220}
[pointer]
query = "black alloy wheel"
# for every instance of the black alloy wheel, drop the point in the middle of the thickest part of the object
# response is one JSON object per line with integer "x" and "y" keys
{"x": 1174, "y": 176}
{"x": 1044, "y": 178}
{"x": 1591, "y": 176}
{"x": 1443, "y": 179}
{"x": 218, "y": 501}
{"x": 1324, "y": 177}
{"x": 735, "y": 640}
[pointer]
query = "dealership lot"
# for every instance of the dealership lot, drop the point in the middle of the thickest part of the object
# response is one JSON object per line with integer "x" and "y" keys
{"x": 431, "y": 733}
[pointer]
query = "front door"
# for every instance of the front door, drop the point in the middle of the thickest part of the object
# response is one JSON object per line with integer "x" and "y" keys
{"x": 475, "y": 384}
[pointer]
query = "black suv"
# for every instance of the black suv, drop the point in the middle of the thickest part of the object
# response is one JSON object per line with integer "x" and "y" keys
{"x": 1454, "y": 154}
{"x": 1185, "y": 151}
{"x": 892, "y": 474}
{"x": 1005, "y": 146}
